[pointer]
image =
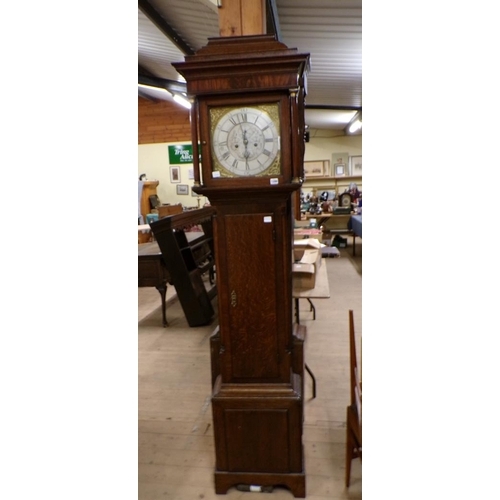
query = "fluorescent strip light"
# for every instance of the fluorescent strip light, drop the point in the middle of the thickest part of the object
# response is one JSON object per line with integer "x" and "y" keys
{"x": 182, "y": 101}
{"x": 152, "y": 87}
{"x": 177, "y": 98}
{"x": 355, "y": 126}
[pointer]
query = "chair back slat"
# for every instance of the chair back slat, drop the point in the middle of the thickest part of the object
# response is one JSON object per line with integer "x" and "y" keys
{"x": 355, "y": 373}
{"x": 353, "y": 416}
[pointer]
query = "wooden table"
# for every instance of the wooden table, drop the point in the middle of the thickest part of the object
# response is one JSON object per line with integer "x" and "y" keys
{"x": 153, "y": 272}
{"x": 332, "y": 223}
{"x": 321, "y": 290}
{"x": 356, "y": 221}
{"x": 321, "y": 218}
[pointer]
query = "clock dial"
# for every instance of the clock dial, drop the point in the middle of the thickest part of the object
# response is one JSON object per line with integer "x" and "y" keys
{"x": 245, "y": 141}
{"x": 345, "y": 200}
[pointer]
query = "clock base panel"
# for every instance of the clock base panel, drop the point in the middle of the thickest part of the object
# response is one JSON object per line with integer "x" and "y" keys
{"x": 295, "y": 482}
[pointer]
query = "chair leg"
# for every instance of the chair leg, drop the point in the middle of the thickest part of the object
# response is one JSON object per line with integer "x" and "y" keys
{"x": 349, "y": 446}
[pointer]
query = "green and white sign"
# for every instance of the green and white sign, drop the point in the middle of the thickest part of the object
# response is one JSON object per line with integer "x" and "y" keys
{"x": 180, "y": 154}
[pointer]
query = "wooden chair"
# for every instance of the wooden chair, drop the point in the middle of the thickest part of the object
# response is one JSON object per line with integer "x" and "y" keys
{"x": 353, "y": 419}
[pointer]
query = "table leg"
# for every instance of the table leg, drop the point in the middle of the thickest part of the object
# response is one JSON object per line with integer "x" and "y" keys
{"x": 354, "y": 244}
{"x": 313, "y": 309}
{"x": 163, "y": 294}
{"x": 313, "y": 379}
{"x": 298, "y": 323}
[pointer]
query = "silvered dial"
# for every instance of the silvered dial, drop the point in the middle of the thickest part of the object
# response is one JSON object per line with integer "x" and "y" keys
{"x": 246, "y": 142}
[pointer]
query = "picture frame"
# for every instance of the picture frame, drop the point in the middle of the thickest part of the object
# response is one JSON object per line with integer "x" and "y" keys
{"x": 317, "y": 169}
{"x": 182, "y": 189}
{"x": 339, "y": 170}
{"x": 175, "y": 175}
{"x": 193, "y": 193}
{"x": 340, "y": 158}
{"x": 356, "y": 166}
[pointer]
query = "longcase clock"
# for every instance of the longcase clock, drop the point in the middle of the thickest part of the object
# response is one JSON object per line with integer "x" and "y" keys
{"x": 248, "y": 116}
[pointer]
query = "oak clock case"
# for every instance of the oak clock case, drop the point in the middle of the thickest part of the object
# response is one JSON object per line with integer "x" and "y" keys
{"x": 247, "y": 96}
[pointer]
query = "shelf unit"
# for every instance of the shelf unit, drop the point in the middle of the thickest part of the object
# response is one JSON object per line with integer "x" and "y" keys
{"x": 339, "y": 184}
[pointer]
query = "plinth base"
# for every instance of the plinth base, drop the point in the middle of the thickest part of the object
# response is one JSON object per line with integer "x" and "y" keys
{"x": 295, "y": 482}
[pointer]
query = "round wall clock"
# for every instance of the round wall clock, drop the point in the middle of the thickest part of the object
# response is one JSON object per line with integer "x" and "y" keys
{"x": 245, "y": 140}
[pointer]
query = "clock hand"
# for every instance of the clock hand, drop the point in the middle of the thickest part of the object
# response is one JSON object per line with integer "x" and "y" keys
{"x": 246, "y": 154}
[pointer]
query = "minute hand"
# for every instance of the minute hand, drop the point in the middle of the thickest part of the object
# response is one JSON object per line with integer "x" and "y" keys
{"x": 246, "y": 154}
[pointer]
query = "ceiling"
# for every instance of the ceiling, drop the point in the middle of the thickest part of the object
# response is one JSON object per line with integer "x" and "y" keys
{"x": 330, "y": 30}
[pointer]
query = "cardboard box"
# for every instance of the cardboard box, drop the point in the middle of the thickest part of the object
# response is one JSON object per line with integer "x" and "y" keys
{"x": 303, "y": 275}
{"x": 300, "y": 246}
{"x": 304, "y": 270}
{"x": 311, "y": 256}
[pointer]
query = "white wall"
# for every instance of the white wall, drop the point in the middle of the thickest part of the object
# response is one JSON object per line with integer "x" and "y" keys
{"x": 154, "y": 162}
{"x": 321, "y": 147}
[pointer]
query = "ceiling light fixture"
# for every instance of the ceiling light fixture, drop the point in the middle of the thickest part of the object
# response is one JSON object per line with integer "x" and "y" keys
{"x": 182, "y": 101}
{"x": 355, "y": 125}
{"x": 152, "y": 87}
{"x": 178, "y": 98}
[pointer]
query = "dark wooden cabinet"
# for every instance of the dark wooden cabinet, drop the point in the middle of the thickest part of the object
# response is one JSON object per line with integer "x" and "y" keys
{"x": 187, "y": 259}
{"x": 247, "y": 115}
{"x": 152, "y": 271}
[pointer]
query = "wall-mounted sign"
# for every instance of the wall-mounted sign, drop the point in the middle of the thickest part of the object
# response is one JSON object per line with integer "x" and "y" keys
{"x": 180, "y": 154}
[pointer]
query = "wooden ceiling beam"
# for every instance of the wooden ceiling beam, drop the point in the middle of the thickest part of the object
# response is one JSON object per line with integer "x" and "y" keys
{"x": 242, "y": 17}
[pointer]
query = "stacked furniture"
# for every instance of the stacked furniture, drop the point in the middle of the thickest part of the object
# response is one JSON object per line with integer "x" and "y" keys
{"x": 187, "y": 256}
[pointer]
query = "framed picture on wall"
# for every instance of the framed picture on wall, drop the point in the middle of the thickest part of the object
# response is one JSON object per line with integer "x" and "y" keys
{"x": 340, "y": 159}
{"x": 356, "y": 165}
{"x": 175, "y": 174}
{"x": 182, "y": 189}
{"x": 316, "y": 169}
{"x": 193, "y": 193}
{"x": 339, "y": 170}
